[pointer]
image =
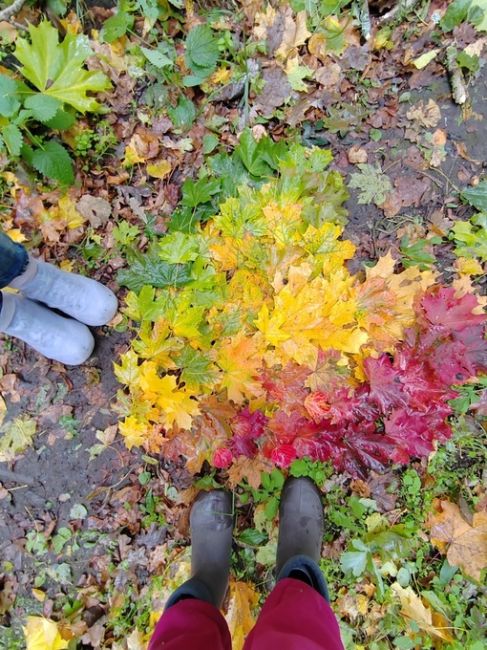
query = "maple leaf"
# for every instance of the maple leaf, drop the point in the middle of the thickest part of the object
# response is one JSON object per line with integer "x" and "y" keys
{"x": 414, "y": 432}
{"x": 386, "y": 387}
{"x": 286, "y": 386}
{"x": 317, "y": 406}
{"x": 176, "y": 403}
{"x": 373, "y": 184}
{"x": 243, "y": 600}
{"x": 16, "y": 436}
{"x": 239, "y": 359}
{"x": 413, "y": 608}
{"x": 127, "y": 372}
{"x": 222, "y": 458}
{"x": 56, "y": 69}
{"x": 249, "y": 469}
{"x": 247, "y": 427}
{"x": 465, "y": 544}
{"x": 448, "y": 313}
{"x": 133, "y": 431}
{"x": 43, "y": 634}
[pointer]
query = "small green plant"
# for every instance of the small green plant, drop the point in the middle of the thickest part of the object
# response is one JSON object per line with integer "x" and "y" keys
{"x": 268, "y": 493}
{"x": 470, "y": 237}
{"x": 56, "y": 87}
{"x": 150, "y": 510}
{"x": 372, "y": 183}
{"x": 419, "y": 253}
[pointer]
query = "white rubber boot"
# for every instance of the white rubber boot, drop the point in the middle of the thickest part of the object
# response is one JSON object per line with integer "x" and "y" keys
{"x": 84, "y": 299}
{"x": 55, "y": 337}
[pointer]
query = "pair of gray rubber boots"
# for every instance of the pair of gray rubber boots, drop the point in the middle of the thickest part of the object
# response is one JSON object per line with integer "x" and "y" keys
{"x": 300, "y": 538}
{"x": 29, "y": 315}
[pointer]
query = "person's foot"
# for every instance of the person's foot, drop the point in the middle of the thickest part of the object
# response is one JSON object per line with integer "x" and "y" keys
{"x": 301, "y": 523}
{"x": 86, "y": 300}
{"x": 211, "y": 523}
{"x": 55, "y": 337}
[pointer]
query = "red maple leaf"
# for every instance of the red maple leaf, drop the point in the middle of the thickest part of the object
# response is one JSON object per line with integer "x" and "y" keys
{"x": 386, "y": 385}
{"x": 247, "y": 427}
{"x": 448, "y": 313}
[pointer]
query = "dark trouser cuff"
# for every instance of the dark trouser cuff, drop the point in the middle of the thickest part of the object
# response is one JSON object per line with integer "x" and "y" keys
{"x": 302, "y": 565}
{"x": 192, "y": 588}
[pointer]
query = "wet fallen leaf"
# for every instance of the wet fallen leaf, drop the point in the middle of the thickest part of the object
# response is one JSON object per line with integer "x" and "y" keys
{"x": 412, "y": 608}
{"x": 43, "y": 634}
{"x": 423, "y": 60}
{"x": 94, "y": 209}
{"x": 329, "y": 75}
{"x": 159, "y": 169}
{"x": 465, "y": 544}
{"x": 240, "y": 617}
{"x": 425, "y": 115}
{"x": 15, "y": 437}
{"x": 357, "y": 154}
{"x": 295, "y": 33}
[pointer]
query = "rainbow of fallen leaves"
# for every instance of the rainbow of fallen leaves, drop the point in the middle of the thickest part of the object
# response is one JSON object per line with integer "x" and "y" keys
{"x": 275, "y": 351}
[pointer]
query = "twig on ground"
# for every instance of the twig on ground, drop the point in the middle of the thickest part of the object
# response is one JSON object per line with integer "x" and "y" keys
{"x": 364, "y": 19}
{"x": 403, "y": 6}
{"x": 457, "y": 80}
{"x": 13, "y": 9}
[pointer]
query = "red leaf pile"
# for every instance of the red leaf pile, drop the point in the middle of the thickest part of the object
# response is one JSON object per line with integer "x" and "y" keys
{"x": 397, "y": 413}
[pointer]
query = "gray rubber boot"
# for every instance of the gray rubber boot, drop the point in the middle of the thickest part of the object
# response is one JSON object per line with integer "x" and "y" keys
{"x": 86, "y": 300}
{"x": 301, "y": 522}
{"x": 55, "y": 337}
{"x": 211, "y": 524}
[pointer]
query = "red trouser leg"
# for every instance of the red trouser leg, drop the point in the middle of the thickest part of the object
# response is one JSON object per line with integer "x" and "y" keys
{"x": 191, "y": 624}
{"x": 295, "y": 617}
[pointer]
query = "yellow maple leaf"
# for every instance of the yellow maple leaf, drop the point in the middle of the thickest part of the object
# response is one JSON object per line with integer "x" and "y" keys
{"x": 295, "y": 33}
{"x": 264, "y": 20}
{"x": 465, "y": 266}
{"x": 65, "y": 212}
{"x": 175, "y": 402}
{"x": 159, "y": 169}
{"x": 413, "y": 608}
{"x": 43, "y": 634}
{"x": 239, "y": 616}
{"x": 240, "y": 360}
{"x": 465, "y": 544}
{"x": 127, "y": 372}
{"x": 16, "y": 235}
{"x": 133, "y": 431}
{"x": 221, "y": 76}
{"x": 133, "y": 155}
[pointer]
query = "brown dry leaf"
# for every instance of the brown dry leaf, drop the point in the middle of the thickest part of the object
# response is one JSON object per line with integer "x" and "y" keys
{"x": 3, "y": 410}
{"x": 263, "y": 22}
{"x": 412, "y": 607}
{"x": 143, "y": 145}
{"x": 240, "y": 619}
{"x": 465, "y": 544}
{"x": 317, "y": 47}
{"x": 329, "y": 75}
{"x": 248, "y": 468}
{"x": 357, "y": 154}
{"x": 295, "y": 34}
{"x": 409, "y": 190}
{"x": 438, "y": 142}
{"x": 275, "y": 92}
{"x": 427, "y": 116}
{"x": 95, "y": 209}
